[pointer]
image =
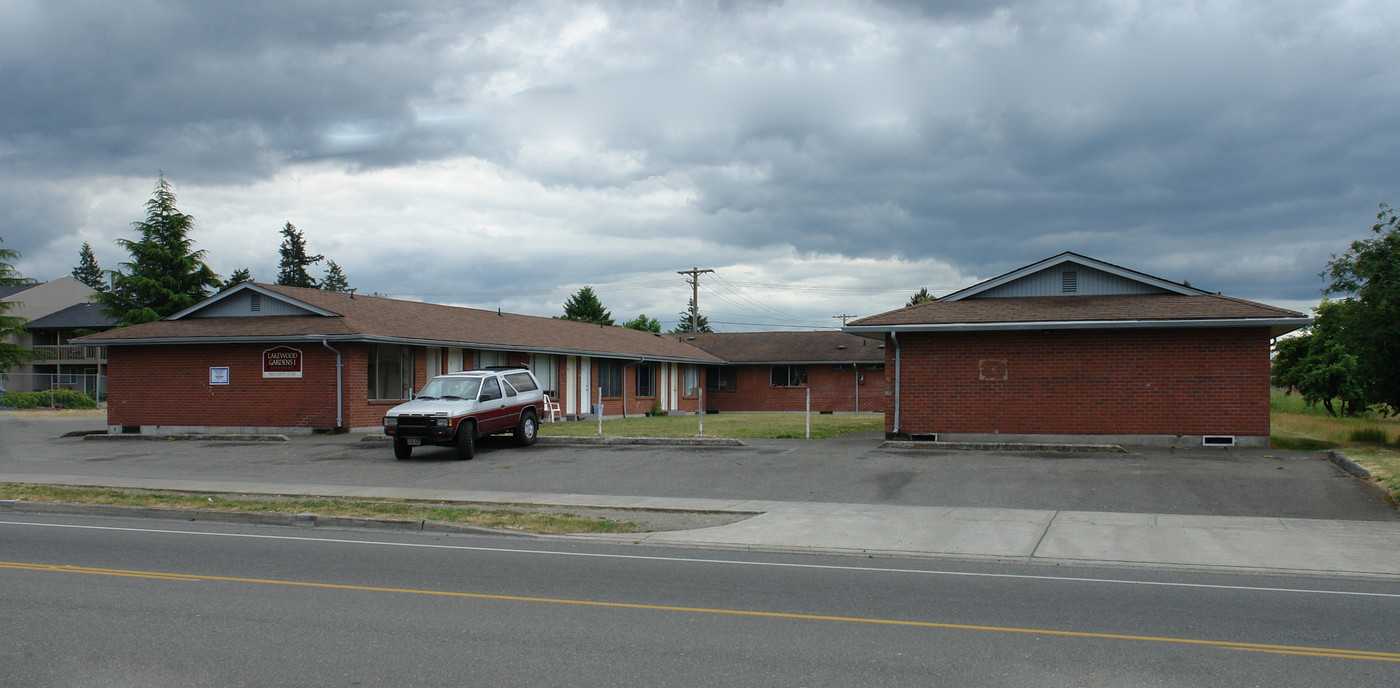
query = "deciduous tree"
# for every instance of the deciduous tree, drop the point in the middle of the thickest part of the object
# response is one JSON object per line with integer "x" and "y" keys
{"x": 11, "y": 326}
{"x": 1368, "y": 321}
{"x": 643, "y": 323}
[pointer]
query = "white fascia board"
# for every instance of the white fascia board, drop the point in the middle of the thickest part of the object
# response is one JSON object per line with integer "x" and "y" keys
{"x": 1071, "y": 257}
{"x": 1289, "y": 323}
{"x": 247, "y": 286}
{"x": 861, "y": 361}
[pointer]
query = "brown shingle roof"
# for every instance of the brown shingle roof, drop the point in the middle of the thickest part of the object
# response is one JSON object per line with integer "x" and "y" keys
{"x": 1120, "y": 309}
{"x": 791, "y": 347}
{"x": 377, "y": 318}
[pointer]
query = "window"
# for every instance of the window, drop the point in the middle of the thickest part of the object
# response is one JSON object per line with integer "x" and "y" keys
{"x": 546, "y": 368}
{"x": 390, "y": 371}
{"x": 789, "y": 376}
{"x": 490, "y": 389}
{"x": 721, "y": 378}
{"x": 521, "y": 381}
{"x": 610, "y": 378}
{"x": 645, "y": 376}
{"x": 690, "y": 380}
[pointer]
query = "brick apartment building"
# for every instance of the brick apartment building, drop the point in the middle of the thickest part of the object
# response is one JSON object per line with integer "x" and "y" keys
{"x": 1075, "y": 349}
{"x": 776, "y": 371}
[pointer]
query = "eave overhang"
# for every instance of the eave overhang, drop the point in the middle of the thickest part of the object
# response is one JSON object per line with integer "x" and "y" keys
{"x": 1277, "y": 326}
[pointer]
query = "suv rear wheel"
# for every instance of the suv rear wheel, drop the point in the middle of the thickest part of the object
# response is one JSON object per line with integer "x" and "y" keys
{"x": 526, "y": 429}
{"x": 466, "y": 440}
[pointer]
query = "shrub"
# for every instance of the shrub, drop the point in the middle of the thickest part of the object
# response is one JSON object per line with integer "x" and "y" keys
{"x": 1370, "y": 435}
{"x": 65, "y": 398}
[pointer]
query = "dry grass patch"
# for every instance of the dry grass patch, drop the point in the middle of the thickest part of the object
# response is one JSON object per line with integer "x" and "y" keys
{"x": 489, "y": 516}
{"x": 1370, "y": 440}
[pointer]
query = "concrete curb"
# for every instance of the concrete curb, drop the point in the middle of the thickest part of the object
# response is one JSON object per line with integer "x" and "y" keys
{"x": 252, "y": 517}
{"x": 1347, "y": 464}
{"x": 189, "y": 437}
{"x": 1003, "y": 446}
{"x": 662, "y": 441}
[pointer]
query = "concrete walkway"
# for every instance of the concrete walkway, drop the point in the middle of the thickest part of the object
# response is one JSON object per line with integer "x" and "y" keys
{"x": 1362, "y": 548}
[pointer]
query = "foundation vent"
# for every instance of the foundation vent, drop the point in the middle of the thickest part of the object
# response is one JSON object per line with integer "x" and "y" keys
{"x": 1218, "y": 440}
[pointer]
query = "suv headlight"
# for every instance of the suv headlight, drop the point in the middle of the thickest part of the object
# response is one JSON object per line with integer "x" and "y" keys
{"x": 442, "y": 421}
{"x": 391, "y": 421}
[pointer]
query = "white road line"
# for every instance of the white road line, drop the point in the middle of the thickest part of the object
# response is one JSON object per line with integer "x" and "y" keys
{"x": 729, "y": 562}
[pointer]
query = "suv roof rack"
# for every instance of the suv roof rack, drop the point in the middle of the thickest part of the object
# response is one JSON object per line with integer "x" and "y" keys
{"x": 506, "y": 367}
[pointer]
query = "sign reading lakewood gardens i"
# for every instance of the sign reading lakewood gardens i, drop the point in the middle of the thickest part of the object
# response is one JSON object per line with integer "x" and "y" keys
{"x": 282, "y": 361}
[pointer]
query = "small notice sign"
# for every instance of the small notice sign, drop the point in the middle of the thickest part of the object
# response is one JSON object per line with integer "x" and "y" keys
{"x": 218, "y": 375}
{"x": 282, "y": 361}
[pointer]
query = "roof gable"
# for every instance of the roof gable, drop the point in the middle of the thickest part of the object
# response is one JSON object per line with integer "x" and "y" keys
{"x": 250, "y": 300}
{"x": 1070, "y": 274}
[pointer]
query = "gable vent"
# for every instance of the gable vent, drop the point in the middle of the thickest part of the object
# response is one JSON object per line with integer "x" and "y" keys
{"x": 255, "y": 303}
{"x": 1069, "y": 282}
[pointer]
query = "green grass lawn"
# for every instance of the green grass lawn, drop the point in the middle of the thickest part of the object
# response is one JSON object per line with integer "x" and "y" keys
{"x": 741, "y": 425}
{"x": 1371, "y": 440}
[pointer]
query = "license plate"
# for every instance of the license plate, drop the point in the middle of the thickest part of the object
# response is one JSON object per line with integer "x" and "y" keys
{"x": 414, "y": 443}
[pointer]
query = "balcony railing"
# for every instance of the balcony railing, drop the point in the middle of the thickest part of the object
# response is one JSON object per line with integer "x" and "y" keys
{"x": 70, "y": 353}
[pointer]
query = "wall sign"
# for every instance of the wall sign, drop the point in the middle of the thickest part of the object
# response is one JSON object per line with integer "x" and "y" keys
{"x": 282, "y": 361}
{"x": 218, "y": 375}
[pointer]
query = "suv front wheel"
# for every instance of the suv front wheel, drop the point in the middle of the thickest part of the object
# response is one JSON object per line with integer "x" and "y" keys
{"x": 466, "y": 440}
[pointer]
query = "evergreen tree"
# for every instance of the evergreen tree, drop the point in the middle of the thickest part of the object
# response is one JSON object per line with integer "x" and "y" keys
{"x": 11, "y": 327}
{"x": 335, "y": 279}
{"x": 88, "y": 272}
{"x": 239, "y": 276}
{"x": 702, "y": 324}
{"x": 291, "y": 272}
{"x": 643, "y": 323}
{"x": 919, "y": 297}
{"x": 165, "y": 275}
{"x": 584, "y": 306}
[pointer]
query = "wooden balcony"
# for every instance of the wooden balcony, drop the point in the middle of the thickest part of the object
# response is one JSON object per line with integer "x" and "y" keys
{"x": 70, "y": 354}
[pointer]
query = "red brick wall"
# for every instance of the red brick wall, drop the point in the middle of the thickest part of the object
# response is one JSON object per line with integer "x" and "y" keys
{"x": 169, "y": 385}
{"x": 832, "y": 390}
{"x": 635, "y": 405}
{"x": 1097, "y": 382}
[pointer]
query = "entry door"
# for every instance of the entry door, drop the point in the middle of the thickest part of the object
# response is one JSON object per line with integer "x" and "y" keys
{"x": 434, "y": 362}
{"x": 585, "y": 389}
{"x": 570, "y": 386}
{"x": 454, "y": 360}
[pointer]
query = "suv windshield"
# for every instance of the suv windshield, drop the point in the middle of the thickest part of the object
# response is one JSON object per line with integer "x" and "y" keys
{"x": 451, "y": 388}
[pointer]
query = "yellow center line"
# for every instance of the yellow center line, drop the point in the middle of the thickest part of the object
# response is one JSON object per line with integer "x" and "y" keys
{"x": 1221, "y": 644}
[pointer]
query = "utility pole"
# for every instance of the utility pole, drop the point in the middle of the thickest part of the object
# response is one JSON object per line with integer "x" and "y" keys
{"x": 694, "y": 295}
{"x": 843, "y": 318}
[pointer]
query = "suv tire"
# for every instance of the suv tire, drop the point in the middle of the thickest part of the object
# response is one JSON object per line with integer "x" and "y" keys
{"x": 401, "y": 449}
{"x": 466, "y": 440}
{"x": 527, "y": 429}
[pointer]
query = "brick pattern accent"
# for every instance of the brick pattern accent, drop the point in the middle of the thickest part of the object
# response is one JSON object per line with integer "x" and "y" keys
{"x": 1205, "y": 381}
{"x": 832, "y": 390}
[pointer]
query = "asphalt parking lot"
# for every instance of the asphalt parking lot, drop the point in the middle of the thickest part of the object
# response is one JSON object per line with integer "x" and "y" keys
{"x": 852, "y": 469}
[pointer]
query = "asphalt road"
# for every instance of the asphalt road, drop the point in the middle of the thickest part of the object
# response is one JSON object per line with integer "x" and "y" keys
{"x": 110, "y": 602}
{"x": 851, "y": 469}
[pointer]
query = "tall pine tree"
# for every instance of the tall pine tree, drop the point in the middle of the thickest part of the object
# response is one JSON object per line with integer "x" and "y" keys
{"x": 335, "y": 279}
{"x": 11, "y": 327}
{"x": 239, "y": 276}
{"x": 584, "y": 306}
{"x": 165, "y": 275}
{"x": 702, "y": 323}
{"x": 291, "y": 272}
{"x": 88, "y": 271}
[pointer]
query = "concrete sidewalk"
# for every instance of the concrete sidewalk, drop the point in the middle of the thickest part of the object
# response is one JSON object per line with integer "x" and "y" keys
{"x": 1281, "y": 545}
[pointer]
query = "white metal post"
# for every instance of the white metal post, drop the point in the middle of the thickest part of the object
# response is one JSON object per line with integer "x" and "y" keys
{"x": 600, "y": 410}
{"x": 809, "y": 413}
{"x": 701, "y": 412}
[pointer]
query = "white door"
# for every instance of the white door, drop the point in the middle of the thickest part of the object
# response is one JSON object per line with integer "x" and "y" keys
{"x": 434, "y": 362}
{"x": 585, "y": 396}
{"x": 570, "y": 386}
{"x": 454, "y": 360}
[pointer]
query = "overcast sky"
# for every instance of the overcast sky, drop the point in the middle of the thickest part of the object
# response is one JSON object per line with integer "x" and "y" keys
{"x": 823, "y": 158}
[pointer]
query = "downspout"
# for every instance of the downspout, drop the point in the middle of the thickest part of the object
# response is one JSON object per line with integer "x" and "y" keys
{"x": 894, "y": 336}
{"x": 339, "y": 402}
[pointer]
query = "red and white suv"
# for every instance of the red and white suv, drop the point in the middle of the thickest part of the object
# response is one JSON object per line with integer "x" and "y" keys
{"x": 457, "y": 408}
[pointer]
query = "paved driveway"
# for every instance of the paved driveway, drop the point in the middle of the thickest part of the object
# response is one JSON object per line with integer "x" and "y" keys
{"x": 851, "y": 469}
